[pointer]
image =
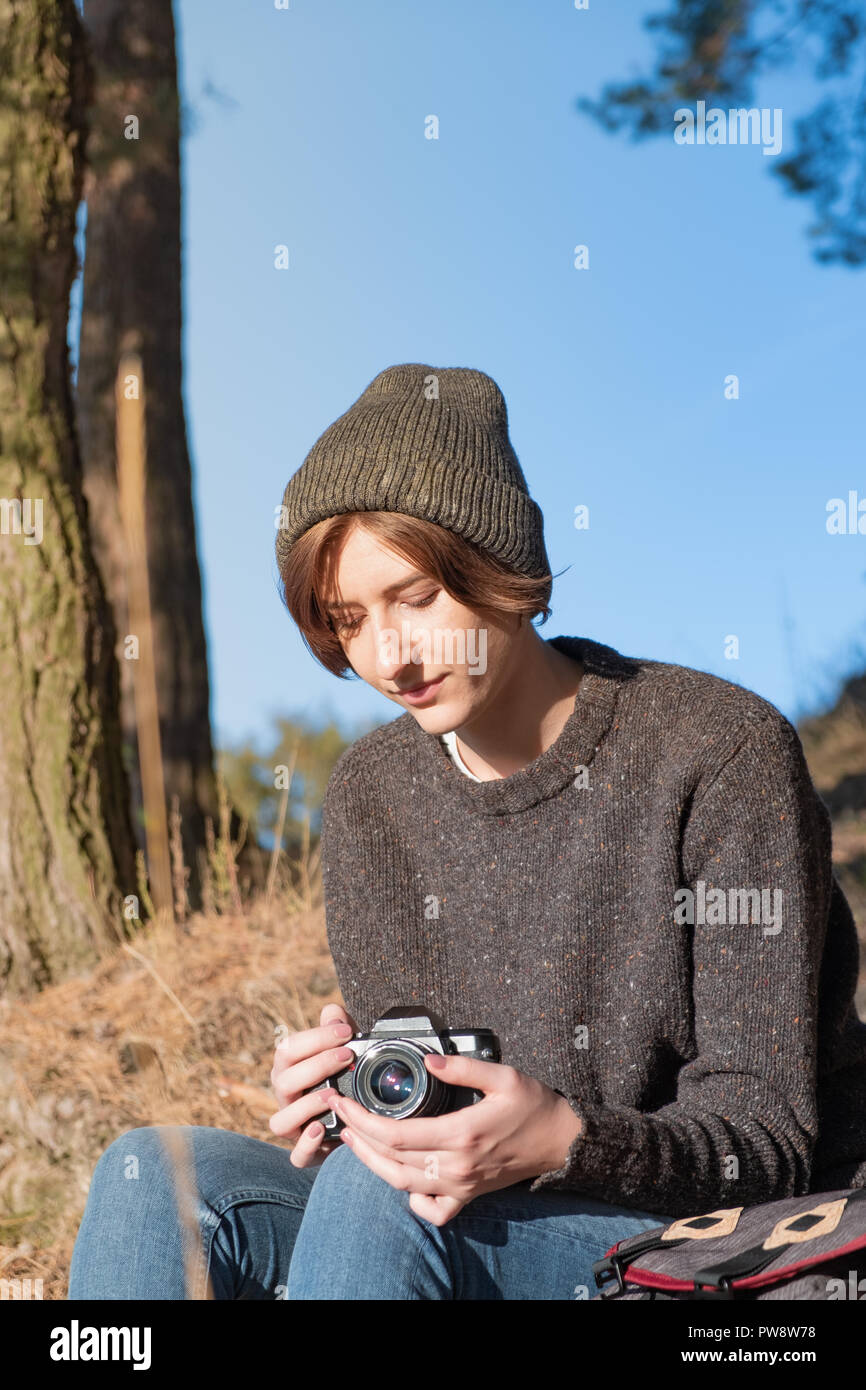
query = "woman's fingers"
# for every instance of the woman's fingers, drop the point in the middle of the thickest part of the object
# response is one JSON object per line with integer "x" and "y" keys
{"x": 302, "y": 1061}
{"x": 302, "y": 1075}
{"x": 287, "y": 1123}
{"x": 437, "y": 1210}
{"x": 335, "y": 1013}
{"x": 312, "y": 1147}
{"x": 297, "y": 1047}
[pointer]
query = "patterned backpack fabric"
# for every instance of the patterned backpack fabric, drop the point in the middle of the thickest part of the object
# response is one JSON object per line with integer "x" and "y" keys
{"x": 810, "y": 1247}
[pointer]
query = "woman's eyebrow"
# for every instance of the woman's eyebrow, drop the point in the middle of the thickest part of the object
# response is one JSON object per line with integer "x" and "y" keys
{"x": 388, "y": 592}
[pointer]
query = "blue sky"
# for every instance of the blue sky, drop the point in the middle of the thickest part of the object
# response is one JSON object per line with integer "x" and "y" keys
{"x": 707, "y": 516}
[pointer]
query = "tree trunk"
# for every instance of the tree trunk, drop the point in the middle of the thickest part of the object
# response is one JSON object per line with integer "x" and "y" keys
{"x": 132, "y": 300}
{"x": 67, "y": 849}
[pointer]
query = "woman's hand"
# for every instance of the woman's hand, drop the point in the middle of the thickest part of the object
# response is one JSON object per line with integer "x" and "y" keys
{"x": 521, "y": 1128}
{"x": 303, "y": 1060}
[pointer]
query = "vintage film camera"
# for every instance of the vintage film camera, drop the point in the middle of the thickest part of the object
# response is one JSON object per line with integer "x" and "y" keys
{"x": 388, "y": 1076}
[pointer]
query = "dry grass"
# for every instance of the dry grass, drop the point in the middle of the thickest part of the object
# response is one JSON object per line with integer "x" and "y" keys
{"x": 835, "y": 748}
{"x": 177, "y": 1030}
{"x": 834, "y": 744}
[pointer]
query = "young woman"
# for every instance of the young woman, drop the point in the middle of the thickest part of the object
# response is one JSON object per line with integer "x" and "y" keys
{"x": 618, "y": 865}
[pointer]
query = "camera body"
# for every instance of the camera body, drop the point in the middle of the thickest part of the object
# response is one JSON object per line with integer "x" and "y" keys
{"x": 388, "y": 1076}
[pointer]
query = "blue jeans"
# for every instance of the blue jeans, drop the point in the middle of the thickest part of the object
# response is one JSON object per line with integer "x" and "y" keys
{"x": 268, "y": 1230}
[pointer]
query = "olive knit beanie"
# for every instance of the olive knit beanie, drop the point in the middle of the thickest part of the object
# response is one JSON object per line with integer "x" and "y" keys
{"x": 431, "y": 442}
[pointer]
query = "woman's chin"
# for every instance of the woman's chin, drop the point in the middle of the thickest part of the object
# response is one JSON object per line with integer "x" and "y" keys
{"x": 433, "y": 721}
{"x": 436, "y": 718}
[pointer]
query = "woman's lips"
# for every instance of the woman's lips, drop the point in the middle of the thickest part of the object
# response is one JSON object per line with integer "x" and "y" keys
{"x": 423, "y": 692}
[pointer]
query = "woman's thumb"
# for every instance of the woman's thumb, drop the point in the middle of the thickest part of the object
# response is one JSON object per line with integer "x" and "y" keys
{"x": 335, "y": 1013}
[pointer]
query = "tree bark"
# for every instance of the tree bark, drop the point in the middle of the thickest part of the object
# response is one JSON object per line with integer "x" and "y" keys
{"x": 67, "y": 849}
{"x": 132, "y": 300}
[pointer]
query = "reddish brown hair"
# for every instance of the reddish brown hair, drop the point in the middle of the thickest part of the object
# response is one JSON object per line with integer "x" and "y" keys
{"x": 470, "y": 574}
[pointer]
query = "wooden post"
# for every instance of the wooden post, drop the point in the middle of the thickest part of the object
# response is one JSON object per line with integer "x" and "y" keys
{"x": 131, "y": 468}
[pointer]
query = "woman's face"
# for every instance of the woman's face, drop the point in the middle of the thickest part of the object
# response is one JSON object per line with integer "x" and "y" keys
{"x": 399, "y": 629}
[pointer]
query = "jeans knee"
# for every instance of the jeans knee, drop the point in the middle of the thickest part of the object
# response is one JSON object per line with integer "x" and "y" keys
{"x": 132, "y": 1155}
{"x": 110, "y": 1203}
{"x": 128, "y": 1145}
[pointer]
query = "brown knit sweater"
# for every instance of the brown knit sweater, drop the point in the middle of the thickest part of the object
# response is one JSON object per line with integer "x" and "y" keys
{"x": 708, "y": 1039}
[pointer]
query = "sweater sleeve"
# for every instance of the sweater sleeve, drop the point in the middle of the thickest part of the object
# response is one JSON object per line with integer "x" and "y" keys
{"x": 743, "y": 1127}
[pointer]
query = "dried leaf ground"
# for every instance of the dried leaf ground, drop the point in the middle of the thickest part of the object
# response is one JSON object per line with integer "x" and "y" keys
{"x": 182, "y": 1032}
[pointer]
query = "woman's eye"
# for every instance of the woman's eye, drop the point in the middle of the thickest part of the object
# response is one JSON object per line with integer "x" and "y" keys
{"x": 352, "y": 625}
{"x": 340, "y": 624}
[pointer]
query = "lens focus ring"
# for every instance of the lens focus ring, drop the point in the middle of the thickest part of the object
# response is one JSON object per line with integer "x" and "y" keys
{"x": 391, "y": 1079}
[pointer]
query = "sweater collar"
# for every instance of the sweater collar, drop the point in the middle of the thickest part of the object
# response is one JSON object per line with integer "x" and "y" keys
{"x": 594, "y": 705}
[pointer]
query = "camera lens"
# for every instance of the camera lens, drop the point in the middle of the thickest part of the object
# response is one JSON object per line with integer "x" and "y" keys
{"x": 391, "y": 1079}
{"x": 392, "y": 1082}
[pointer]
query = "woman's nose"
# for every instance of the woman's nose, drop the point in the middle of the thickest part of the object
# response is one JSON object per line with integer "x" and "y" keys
{"x": 393, "y": 652}
{"x": 389, "y": 657}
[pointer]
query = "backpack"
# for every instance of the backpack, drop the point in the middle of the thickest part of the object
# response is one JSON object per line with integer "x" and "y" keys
{"x": 809, "y": 1247}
